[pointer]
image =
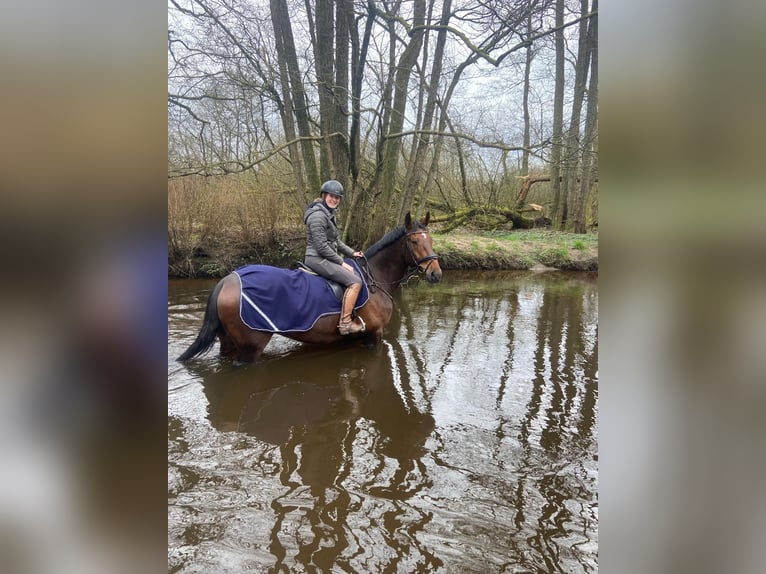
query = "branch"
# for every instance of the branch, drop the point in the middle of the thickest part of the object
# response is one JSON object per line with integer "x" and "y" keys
{"x": 176, "y": 97}
{"x": 496, "y": 61}
{"x": 172, "y": 99}
{"x": 495, "y": 145}
{"x": 185, "y": 11}
{"x": 224, "y": 167}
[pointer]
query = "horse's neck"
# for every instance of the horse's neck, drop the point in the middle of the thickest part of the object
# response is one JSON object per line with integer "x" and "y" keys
{"x": 388, "y": 271}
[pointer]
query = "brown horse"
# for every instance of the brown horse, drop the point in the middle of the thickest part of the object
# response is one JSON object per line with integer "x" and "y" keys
{"x": 396, "y": 257}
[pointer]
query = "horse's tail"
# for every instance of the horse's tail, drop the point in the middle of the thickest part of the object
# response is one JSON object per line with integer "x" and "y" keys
{"x": 210, "y": 326}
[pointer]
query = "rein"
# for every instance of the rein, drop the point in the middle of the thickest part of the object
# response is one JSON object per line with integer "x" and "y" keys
{"x": 371, "y": 281}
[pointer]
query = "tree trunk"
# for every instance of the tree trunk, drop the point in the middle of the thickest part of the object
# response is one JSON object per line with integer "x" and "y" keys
{"x": 421, "y": 82}
{"x": 366, "y": 201}
{"x": 559, "y": 201}
{"x": 384, "y": 119}
{"x": 460, "y": 163}
{"x": 339, "y": 137}
{"x": 383, "y": 208}
{"x": 443, "y": 120}
{"x": 286, "y": 112}
{"x": 572, "y": 145}
{"x": 323, "y": 58}
{"x": 424, "y": 141}
{"x": 359, "y": 58}
{"x": 590, "y": 136}
{"x": 525, "y": 100}
{"x": 281, "y": 21}
{"x": 351, "y": 225}
{"x": 485, "y": 217}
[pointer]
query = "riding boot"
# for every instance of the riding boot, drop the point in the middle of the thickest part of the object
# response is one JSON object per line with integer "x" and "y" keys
{"x": 348, "y": 326}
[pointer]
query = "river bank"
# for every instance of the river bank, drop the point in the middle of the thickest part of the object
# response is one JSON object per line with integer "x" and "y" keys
{"x": 459, "y": 249}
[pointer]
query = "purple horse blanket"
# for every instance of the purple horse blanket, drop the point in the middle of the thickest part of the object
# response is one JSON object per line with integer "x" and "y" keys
{"x": 280, "y": 300}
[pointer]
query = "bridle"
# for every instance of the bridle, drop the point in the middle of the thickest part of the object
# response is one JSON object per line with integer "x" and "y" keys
{"x": 418, "y": 262}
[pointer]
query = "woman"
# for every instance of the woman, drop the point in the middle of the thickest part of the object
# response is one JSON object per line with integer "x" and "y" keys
{"x": 322, "y": 251}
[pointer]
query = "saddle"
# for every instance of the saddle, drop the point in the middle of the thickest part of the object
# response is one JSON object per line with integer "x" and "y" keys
{"x": 337, "y": 288}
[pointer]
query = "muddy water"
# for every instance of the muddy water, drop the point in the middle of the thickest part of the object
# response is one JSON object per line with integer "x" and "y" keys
{"x": 466, "y": 442}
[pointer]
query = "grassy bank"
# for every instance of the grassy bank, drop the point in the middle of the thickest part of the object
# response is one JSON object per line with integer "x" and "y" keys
{"x": 522, "y": 249}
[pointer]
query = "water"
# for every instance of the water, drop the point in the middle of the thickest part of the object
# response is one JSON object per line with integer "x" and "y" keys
{"x": 465, "y": 442}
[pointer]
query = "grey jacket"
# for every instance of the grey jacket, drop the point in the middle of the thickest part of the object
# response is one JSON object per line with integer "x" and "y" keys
{"x": 322, "y": 234}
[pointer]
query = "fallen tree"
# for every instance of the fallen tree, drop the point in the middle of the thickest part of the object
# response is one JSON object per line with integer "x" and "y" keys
{"x": 526, "y": 184}
{"x": 487, "y": 218}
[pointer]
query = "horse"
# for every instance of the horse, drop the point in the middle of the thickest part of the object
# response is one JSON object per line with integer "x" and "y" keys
{"x": 400, "y": 254}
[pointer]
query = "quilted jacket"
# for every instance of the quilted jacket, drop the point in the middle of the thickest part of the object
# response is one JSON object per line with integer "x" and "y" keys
{"x": 322, "y": 234}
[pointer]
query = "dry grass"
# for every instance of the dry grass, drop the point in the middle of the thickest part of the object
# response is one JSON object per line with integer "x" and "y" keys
{"x": 225, "y": 221}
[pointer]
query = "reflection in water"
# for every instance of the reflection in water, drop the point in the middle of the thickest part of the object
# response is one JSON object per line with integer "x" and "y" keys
{"x": 466, "y": 442}
{"x": 308, "y": 403}
{"x": 513, "y": 375}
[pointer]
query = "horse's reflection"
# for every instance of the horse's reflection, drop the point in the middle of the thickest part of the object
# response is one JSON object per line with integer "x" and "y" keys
{"x": 323, "y": 409}
{"x": 310, "y": 398}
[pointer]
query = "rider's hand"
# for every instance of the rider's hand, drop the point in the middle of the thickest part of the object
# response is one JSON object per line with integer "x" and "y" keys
{"x": 347, "y": 267}
{"x": 358, "y": 254}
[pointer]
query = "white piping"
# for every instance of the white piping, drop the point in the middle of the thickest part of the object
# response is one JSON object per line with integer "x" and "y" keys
{"x": 261, "y": 313}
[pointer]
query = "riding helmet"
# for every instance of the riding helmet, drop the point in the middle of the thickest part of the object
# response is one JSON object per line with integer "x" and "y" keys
{"x": 332, "y": 187}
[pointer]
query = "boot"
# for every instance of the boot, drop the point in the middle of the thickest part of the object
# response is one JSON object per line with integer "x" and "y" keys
{"x": 347, "y": 326}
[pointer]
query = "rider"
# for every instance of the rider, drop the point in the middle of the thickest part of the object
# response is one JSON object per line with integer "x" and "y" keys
{"x": 322, "y": 251}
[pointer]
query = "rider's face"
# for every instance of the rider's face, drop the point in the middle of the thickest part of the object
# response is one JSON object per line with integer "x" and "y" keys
{"x": 332, "y": 200}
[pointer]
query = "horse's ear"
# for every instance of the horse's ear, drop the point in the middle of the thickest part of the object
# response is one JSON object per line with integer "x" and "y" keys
{"x": 426, "y": 219}
{"x": 408, "y": 222}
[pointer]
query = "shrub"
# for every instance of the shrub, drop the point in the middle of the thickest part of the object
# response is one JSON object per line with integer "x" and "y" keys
{"x": 579, "y": 244}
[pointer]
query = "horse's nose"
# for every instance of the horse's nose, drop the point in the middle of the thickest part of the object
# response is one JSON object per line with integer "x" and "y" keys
{"x": 434, "y": 275}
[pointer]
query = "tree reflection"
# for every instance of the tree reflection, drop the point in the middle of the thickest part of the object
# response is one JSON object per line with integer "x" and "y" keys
{"x": 527, "y": 349}
{"x": 564, "y": 377}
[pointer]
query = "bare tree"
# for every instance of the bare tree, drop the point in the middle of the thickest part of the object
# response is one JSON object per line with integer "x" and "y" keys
{"x": 295, "y": 92}
{"x": 571, "y": 151}
{"x": 558, "y": 206}
{"x": 359, "y": 59}
{"x": 423, "y": 142}
{"x": 528, "y": 56}
{"x": 383, "y": 209}
{"x": 588, "y": 161}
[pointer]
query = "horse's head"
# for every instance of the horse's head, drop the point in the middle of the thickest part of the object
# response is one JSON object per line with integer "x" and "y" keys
{"x": 420, "y": 248}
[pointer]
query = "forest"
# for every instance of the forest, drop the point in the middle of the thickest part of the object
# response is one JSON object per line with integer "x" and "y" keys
{"x": 464, "y": 108}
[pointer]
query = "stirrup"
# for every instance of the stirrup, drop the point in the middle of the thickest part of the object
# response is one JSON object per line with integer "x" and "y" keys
{"x": 351, "y": 326}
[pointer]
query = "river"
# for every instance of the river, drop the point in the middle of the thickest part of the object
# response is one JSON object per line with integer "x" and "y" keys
{"x": 465, "y": 442}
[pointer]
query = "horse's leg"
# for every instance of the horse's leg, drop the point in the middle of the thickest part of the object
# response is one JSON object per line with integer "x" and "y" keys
{"x": 239, "y": 341}
{"x": 248, "y": 352}
{"x": 376, "y": 314}
{"x": 372, "y": 338}
{"x": 228, "y": 348}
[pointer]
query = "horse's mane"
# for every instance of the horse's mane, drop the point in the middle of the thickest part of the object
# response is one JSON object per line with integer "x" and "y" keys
{"x": 385, "y": 241}
{"x": 388, "y": 239}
